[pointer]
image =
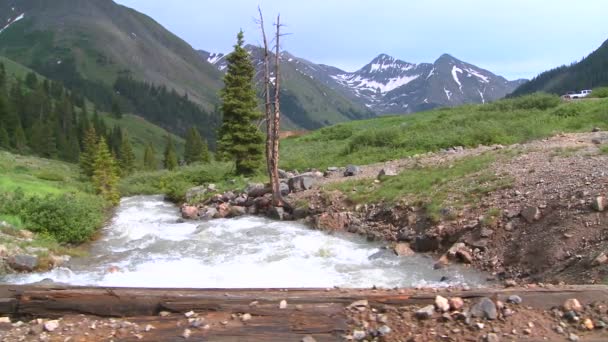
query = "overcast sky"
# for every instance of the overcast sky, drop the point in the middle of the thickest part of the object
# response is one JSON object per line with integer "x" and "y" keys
{"x": 513, "y": 38}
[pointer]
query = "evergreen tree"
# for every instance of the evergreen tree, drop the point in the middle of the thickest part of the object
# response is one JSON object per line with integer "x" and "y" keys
{"x": 4, "y": 139}
{"x": 170, "y": 157}
{"x": 196, "y": 149}
{"x": 2, "y": 78}
{"x": 150, "y": 163}
{"x": 19, "y": 140}
{"x": 127, "y": 156}
{"x": 87, "y": 157}
{"x": 49, "y": 144}
{"x": 31, "y": 81}
{"x": 73, "y": 149}
{"x": 239, "y": 137}
{"x": 105, "y": 174}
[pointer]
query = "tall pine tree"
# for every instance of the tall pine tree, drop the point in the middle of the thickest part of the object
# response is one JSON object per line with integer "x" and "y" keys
{"x": 19, "y": 140}
{"x": 239, "y": 137}
{"x": 150, "y": 163}
{"x": 105, "y": 173}
{"x": 87, "y": 157}
{"x": 4, "y": 139}
{"x": 127, "y": 156}
{"x": 170, "y": 156}
{"x": 196, "y": 149}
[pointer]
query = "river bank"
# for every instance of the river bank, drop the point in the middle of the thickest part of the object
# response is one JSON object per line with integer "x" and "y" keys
{"x": 525, "y": 213}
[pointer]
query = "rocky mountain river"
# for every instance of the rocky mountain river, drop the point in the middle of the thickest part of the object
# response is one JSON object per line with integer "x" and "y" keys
{"x": 147, "y": 245}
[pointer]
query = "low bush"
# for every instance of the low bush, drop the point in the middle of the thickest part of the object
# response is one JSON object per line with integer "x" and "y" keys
{"x": 567, "y": 110}
{"x": 49, "y": 176}
{"x": 601, "y": 92}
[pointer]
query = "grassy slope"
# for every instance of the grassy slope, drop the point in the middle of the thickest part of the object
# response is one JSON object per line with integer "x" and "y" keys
{"x": 389, "y": 138}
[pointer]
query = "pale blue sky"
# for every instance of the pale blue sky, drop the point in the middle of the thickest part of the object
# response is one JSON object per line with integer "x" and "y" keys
{"x": 513, "y": 38}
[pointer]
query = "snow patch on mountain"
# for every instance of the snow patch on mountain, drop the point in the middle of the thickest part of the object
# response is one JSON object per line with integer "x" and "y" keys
{"x": 215, "y": 57}
{"x": 455, "y": 71}
{"x": 448, "y": 93}
{"x": 11, "y": 22}
{"x": 482, "y": 78}
{"x": 361, "y": 83}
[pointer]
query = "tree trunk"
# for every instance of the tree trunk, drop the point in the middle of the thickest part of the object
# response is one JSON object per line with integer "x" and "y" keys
{"x": 277, "y": 199}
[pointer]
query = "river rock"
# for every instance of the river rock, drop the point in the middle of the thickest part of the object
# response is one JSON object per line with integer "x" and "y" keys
{"x": 236, "y": 211}
{"x": 484, "y": 308}
{"x": 425, "y": 243}
{"x": 456, "y": 303}
{"x": 387, "y": 172}
{"x": 530, "y": 214}
{"x": 284, "y": 174}
{"x": 276, "y": 213}
{"x": 189, "y": 212}
{"x": 352, "y": 170}
{"x": 442, "y": 304}
{"x": 515, "y": 299}
{"x": 256, "y": 190}
{"x": 223, "y": 210}
{"x": 284, "y": 189}
{"x": 301, "y": 183}
{"x": 242, "y": 200}
{"x": 572, "y": 304}
{"x": 405, "y": 234}
{"x": 332, "y": 221}
{"x": 228, "y": 196}
{"x": 195, "y": 193}
{"x": 51, "y": 326}
{"x": 403, "y": 249}
{"x": 207, "y": 213}
{"x": 23, "y": 262}
{"x": 426, "y": 312}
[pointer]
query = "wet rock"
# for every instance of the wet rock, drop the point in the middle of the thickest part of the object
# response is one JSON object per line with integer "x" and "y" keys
{"x": 23, "y": 262}
{"x": 426, "y": 243}
{"x": 352, "y": 170}
{"x": 599, "y": 203}
{"x": 189, "y": 212}
{"x": 484, "y": 308}
{"x": 276, "y": 213}
{"x": 572, "y": 304}
{"x": 208, "y": 213}
{"x": 530, "y": 214}
{"x": 426, "y": 312}
{"x": 51, "y": 326}
{"x": 441, "y": 263}
{"x": 514, "y": 299}
{"x": 442, "y": 304}
{"x": 403, "y": 249}
{"x": 236, "y": 211}
{"x": 223, "y": 210}
{"x": 387, "y": 172}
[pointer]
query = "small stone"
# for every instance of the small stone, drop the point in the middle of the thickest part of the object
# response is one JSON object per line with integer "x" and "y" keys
{"x": 530, "y": 214}
{"x": 572, "y": 337}
{"x": 190, "y": 314}
{"x": 51, "y": 326}
{"x": 186, "y": 334}
{"x": 572, "y": 304}
{"x": 514, "y": 299}
{"x": 527, "y": 331}
{"x": 308, "y": 338}
{"x": 246, "y": 317}
{"x": 480, "y": 326}
{"x": 588, "y": 324}
{"x": 492, "y": 337}
{"x": 254, "y": 303}
{"x": 283, "y": 304}
{"x": 149, "y": 327}
{"x": 358, "y": 304}
{"x": 484, "y": 308}
{"x": 570, "y": 316}
{"x": 456, "y": 303}
{"x": 426, "y": 312}
{"x": 164, "y": 313}
{"x": 599, "y": 203}
{"x": 558, "y": 329}
{"x": 384, "y": 330}
{"x": 5, "y": 320}
{"x": 601, "y": 259}
{"x": 510, "y": 283}
{"x": 358, "y": 335}
{"x": 442, "y": 304}
{"x": 224, "y": 322}
{"x": 507, "y": 312}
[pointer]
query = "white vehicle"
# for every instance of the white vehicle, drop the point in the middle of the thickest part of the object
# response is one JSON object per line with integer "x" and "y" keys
{"x": 575, "y": 95}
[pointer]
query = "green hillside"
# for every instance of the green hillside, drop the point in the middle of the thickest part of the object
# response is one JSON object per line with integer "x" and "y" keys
{"x": 589, "y": 73}
{"x": 387, "y": 138}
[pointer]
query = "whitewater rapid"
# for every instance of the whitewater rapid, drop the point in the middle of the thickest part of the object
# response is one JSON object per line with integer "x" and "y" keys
{"x": 147, "y": 245}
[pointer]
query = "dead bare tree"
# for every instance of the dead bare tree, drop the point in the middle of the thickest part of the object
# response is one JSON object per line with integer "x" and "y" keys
{"x": 272, "y": 113}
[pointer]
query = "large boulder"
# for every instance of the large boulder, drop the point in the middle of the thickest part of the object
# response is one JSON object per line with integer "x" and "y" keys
{"x": 484, "y": 308}
{"x": 284, "y": 189}
{"x": 352, "y": 170}
{"x": 426, "y": 243}
{"x": 301, "y": 183}
{"x": 236, "y": 211}
{"x": 257, "y": 190}
{"x": 23, "y": 262}
{"x": 277, "y": 213}
{"x": 223, "y": 210}
{"x": 332, "y": 221}
{"x": 387, "y": 172}
{"x": 403, "y": 249}
{"x": 189, "y": 212}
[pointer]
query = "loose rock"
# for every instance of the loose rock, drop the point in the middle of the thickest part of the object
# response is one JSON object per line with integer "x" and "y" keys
{"x": 442, "y": 304}
{"x": 51, "y": 326}
{"x": 515, "y": 299}
{"x": 572, "y": 304}
{"x": 530, "y": 214}
{"x": 484, "y": 308}
{"x": 426, "y": 312}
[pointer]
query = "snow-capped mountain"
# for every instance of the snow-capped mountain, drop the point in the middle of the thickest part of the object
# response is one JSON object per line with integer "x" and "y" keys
{"x": 388, "y": 85}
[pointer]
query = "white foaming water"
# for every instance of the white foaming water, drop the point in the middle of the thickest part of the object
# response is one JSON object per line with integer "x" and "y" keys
{"x": 150, "y": 247}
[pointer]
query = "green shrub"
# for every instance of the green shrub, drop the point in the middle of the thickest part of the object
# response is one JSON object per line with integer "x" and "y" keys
{"x": 49, "y": 176}
{"x": 374, "y": 138}
{"x": 567, "y": 110}
{"x": 601, "y": 92}
{"x": 67, "y": 218}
